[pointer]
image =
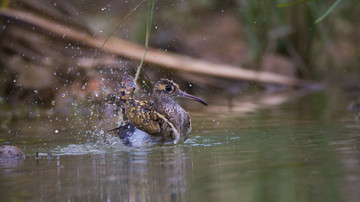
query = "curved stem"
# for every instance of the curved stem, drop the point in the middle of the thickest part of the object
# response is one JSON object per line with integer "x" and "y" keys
{"x": 148, "y": 30}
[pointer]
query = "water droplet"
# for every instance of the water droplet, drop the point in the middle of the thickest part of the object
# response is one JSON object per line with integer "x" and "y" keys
{"x": 56, "y": 131}
{"x": 54, "y": 4}
{"x": 63, "y": 95}
{"x": 53, "y": 102}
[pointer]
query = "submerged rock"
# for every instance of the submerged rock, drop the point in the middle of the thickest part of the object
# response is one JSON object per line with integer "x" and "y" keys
{"x": 11, "y": 153}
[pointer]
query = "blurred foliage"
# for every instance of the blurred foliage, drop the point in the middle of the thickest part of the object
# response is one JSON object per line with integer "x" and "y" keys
{"x": 4, "y": 3}
{"x": 291, "y": 31}
{"x": 304, "y": 1}
{"x": 308, "y": 32}
{"x": 236, "y": 32}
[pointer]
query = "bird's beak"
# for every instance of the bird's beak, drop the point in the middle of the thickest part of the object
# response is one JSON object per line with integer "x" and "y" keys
{"x": 185, "y": 95}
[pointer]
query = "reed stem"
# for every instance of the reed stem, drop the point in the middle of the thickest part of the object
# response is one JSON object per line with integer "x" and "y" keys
{"x": 151, "y": 6}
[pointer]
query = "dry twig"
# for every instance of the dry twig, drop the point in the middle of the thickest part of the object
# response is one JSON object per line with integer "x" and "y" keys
{"x": 161, "y": 58}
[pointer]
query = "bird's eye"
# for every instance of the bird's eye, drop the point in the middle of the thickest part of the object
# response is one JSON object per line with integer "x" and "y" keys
{"x": 168, "y": 88}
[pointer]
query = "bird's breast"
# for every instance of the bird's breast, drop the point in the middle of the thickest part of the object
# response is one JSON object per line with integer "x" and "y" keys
{"x": 177, "y": 116}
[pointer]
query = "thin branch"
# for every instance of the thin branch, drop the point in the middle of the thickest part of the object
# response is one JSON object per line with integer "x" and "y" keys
{"x": 163, "y": 59}
{"x": 327, "y": 12}
{"x": 148, "y": 31}
{"x": 121, "y": 22}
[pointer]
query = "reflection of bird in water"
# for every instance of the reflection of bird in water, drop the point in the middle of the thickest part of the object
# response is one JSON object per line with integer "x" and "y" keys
{"x": 162, "y": 117}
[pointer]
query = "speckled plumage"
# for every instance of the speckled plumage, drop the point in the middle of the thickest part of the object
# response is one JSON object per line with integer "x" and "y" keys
{"x": 139, "y": 113}
{"x": 162, "y": 116}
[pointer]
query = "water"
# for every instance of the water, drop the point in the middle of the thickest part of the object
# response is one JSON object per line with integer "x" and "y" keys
{"x": 265, "y": 148}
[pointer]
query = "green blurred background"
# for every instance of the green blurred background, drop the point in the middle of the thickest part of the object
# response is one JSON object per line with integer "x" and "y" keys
{"x": 40, "y": 68}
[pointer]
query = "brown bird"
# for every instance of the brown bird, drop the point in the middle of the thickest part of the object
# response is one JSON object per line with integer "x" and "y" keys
{"x": 161, "y": 117}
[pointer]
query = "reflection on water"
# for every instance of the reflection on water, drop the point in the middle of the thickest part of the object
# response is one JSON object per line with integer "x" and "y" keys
{"x": 303, "y": 150}
{"x": 157, "y": 174}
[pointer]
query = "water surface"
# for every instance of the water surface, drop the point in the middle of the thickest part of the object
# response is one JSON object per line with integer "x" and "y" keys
{"x": 300, "y": 149}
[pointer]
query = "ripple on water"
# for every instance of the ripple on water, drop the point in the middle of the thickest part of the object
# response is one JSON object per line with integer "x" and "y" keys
{"x": 99, "y": 147}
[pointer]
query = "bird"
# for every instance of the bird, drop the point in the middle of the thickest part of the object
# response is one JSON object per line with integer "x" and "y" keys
{"x": 159, "y": 119}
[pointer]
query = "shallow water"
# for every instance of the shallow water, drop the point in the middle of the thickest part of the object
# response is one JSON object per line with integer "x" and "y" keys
{"x": 300, "y": 149}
